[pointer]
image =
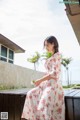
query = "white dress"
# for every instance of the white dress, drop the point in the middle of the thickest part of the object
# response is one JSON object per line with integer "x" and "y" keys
{"x": 46, "y": 101}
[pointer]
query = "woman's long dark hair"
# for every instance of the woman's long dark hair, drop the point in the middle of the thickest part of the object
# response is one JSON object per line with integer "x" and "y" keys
{"x": 52, "y": 40}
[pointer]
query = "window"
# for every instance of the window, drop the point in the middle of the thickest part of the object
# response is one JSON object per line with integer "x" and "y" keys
{"x": 3, "y": 51}
{"x": 7, "y": 55}
{"x": 10, "y": 61}
{"x": 11, "y": 54}
{"x": 3, "y": 59}
{"x": 3, "y": 54}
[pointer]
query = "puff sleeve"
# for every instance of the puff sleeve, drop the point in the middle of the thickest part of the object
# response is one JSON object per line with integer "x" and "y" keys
{"x": 55, "y": 67}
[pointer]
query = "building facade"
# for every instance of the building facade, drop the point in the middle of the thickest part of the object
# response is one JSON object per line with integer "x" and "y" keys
{"x": 8, "y": 49}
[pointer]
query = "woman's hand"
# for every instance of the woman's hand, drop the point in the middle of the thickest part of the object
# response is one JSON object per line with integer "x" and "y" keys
{"x": 46, "y": 77}
{"x": 37, "y": 82}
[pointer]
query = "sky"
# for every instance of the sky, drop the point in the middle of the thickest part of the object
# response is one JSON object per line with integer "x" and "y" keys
{"x": 29, "y": 22}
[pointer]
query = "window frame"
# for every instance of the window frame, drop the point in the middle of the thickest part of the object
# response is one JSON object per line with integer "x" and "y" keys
{"x": 7, "y": 54}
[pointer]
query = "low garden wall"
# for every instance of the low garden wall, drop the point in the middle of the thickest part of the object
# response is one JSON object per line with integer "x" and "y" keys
{"x": 16, "y": 76}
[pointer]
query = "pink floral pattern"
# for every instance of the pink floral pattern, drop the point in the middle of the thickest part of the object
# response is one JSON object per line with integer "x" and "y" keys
{"x": 46, "y": 101}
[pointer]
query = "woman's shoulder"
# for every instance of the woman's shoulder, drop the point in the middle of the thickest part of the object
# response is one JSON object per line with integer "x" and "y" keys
{"x": 57, "y": 54}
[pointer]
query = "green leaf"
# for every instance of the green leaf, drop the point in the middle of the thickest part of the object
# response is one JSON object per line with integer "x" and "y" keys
{"x": 34, "y": 58}
{"x": 66, "y": 61}
{"x": 46, "y": 55}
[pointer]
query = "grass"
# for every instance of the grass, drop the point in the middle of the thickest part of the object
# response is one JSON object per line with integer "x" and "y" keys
{"x": 78, "y": 84}
{"x": 70, "y": 86}
{"x": 75, "y": 86}
{"x": 2, "y": 87}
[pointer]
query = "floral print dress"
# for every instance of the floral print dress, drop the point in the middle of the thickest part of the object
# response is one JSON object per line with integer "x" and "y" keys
{"x": 46, "y": 101}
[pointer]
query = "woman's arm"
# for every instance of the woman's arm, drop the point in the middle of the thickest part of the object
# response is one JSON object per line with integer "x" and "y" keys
{"x": 54, "y": 74}
{"x": 46, "y": 77}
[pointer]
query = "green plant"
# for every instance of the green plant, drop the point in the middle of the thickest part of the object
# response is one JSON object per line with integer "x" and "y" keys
{"x": 34, "y": 59}
{"x": 65, "y": 62}
{"x": 5, "y": 87}
{"x": 46, "y": 55}
{"x": 70, "y": 86}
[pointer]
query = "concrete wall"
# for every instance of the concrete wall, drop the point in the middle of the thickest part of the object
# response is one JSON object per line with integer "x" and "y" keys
{"x": 13, "y": 75}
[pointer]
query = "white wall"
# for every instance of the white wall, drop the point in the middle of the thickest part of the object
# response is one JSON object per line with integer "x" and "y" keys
{"x": 13, "y": 75}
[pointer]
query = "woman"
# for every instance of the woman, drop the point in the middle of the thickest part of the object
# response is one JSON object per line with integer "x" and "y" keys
{"x": 46, "y": 100}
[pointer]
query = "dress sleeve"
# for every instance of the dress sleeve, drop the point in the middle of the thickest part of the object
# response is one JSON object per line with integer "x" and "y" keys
{"x": 55, "y": 67}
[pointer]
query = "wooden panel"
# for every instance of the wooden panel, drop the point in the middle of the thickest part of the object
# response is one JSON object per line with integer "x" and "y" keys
{"x": 11, "y": 107}
{"x": 17, "y": 107}
{"x": 12, "y": 101}
{"x": 22, "y": 102}
{"x": 1, "y": 102}
{"x": 66, "y": 110}
{"x": 69, "y": 109}
{"x": 77, "y": 109}
{"x": 5, "y": 103}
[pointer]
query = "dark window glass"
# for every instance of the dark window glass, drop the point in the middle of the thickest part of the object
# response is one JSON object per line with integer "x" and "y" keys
{"x": 3, "y": 59}
{"x": 3, "y": 51}
{"x": 10, "y": 61}
{"x": 11, "y": 54}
